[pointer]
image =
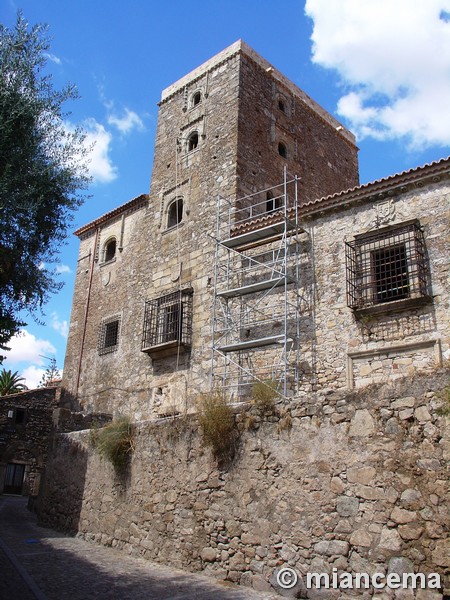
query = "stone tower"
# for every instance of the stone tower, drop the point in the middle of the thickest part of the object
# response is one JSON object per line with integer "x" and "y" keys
{"x": 230, "y": 127}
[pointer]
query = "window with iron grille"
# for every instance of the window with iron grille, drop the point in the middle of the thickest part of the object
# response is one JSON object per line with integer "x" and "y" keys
{"x": 168, "y": 321}
{"x": 108, "y": 338}
{"x": 387, "y": 265}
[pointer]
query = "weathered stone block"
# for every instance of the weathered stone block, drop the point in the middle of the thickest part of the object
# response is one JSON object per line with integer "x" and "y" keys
{"x": 362, "y": 424}
{"x": 347, "y": 506}
{"x": 390, "y": 539}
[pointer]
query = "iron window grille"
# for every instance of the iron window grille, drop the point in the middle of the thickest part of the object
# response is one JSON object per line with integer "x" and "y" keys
{"x": 386, "y": 266}
{"x": 168, "y": 321}
{"x": 108, "y": 338}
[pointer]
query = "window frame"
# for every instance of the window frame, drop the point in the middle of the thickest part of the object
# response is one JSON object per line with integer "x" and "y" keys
{"x": 109, "y": 334}
{"x": 175, "y": 220}
{"x": 168, "y": 322}
{"x": 387, "y": 268}
{"x": 106, "y": 245}
{"x": 194, "y": 102}
{"x": 190, "y": 147}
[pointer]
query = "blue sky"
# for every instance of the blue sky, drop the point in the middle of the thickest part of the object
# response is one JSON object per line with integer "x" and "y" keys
{"x": 381, "y": 67}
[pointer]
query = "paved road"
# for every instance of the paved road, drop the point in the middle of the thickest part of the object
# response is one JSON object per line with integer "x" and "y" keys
{"x": 41, "y": 564}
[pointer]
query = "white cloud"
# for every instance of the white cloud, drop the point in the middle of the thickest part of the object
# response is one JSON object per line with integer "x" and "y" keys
{"x": 62, "y": 327}
{"x": 53, "y": 58}
{"x": 394, "y": 60}
{"x": 61, "y": 268}
{"x": 25, "y": 347}
{"x": 98, "y": 140}
{"x": 129, "y": 121}
{"x": 33, "y": 376}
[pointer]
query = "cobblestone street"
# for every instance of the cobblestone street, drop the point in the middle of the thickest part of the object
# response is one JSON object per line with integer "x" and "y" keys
{"x": 38, "y": 563}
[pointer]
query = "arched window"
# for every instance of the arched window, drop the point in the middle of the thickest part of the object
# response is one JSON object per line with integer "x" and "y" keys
{"x": 282, "y": 150}
{"x": 282, "y": 105}
{"x": 175, "y": 213}
{"x": 192, "y": 141}
{"x": 196, "y": 98}
{"x": 110, "y": 249}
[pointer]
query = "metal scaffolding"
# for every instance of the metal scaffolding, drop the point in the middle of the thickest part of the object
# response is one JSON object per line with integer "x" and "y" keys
{"x": 256, "y": 299}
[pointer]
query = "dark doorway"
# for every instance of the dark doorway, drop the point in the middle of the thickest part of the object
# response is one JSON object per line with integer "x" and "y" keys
{"x": 14, "y": 479}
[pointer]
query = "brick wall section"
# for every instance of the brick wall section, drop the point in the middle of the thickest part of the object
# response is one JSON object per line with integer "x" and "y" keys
{"x": 324, "y": 160}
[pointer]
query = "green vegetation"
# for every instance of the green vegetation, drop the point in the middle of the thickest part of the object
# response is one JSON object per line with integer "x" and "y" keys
{"x": 115, "y": 442}
{"x": 218, "y": 425}
{"x": 42, "y": 170}
{"x": 444, "y": 395}
{"x": 263, "y": 395}
{"x": 11, "y": 383}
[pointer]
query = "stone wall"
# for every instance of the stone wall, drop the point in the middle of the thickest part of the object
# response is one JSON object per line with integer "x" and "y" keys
{"x": 26, "y": 440}
{"x": 349, "y": 480}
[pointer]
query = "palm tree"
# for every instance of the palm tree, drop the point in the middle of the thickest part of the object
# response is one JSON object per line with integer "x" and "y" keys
{"x": 10, "y": 383}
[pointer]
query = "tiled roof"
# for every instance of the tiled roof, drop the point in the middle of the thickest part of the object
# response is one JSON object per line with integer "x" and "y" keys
{"x": 367, "y": 190}
{"x": 131, "y": 204}
{"x": 404, "y": 178}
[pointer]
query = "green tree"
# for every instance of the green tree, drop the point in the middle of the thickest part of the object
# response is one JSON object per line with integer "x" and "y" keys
{"x": 10, "y": 383}
{"x": 43, "y": 168}
{"x": 51, "y": 375}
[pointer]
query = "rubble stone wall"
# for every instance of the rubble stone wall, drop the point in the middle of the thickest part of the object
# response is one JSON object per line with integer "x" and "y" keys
{"x": 350, "y": 480}
{"x": 26, "y": 440}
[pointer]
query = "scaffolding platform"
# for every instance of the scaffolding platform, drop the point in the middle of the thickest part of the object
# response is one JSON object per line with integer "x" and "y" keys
{"x": 255, "y": 235}
{"x": 256, "y": 298}
{"x": 258, "y": 286}
{"x": 250, "y": 344}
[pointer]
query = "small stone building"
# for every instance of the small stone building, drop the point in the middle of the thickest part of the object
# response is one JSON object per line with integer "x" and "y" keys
{"x": 26, "y": 425}
{"x": 341, "y": 285}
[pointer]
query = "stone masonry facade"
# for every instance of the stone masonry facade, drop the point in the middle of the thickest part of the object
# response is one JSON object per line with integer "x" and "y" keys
{"x": 347, "y": 469}
{"x": 152, "y": 259}
{"x": 355, "y": 481}
{"x": 26, "y": 425}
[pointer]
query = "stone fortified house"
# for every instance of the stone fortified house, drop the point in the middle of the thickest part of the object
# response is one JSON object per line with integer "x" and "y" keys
{"x": 346, "y": 285}
{"x": 257, "y": 255}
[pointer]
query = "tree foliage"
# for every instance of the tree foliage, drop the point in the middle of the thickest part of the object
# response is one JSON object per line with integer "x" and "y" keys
{"x": 10, "y": 383}
{"x": 42, "y": 172}
{"x": 51, "y": 376}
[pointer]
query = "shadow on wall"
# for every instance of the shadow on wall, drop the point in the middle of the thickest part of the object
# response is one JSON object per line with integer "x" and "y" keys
{"x": 61, "y": 506}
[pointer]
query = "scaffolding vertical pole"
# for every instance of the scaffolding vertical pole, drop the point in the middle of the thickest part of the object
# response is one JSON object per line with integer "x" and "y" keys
{"x": 214, "y": 311}
{"x": 297, "y": 295}
{"x": 286, "y": 306}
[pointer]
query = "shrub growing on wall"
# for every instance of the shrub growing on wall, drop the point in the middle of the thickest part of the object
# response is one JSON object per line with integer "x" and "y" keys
{"x": 115, "y": 442}
{"x": 218, "y": 425}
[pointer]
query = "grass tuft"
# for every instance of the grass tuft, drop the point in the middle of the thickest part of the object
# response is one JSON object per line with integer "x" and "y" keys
{"x": 115, "y": 442}
{"x": 218, "y": 425}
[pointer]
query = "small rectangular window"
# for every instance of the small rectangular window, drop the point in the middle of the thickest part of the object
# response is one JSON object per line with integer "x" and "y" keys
{"x": 108, "y": 338}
